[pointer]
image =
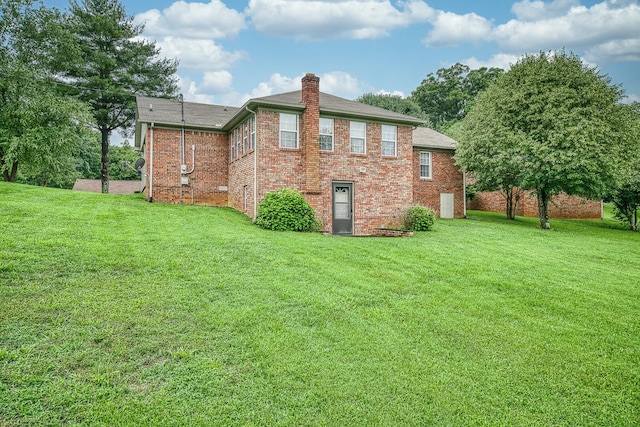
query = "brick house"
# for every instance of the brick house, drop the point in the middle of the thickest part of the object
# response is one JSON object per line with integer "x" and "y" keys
{"x": 359, "y": 166}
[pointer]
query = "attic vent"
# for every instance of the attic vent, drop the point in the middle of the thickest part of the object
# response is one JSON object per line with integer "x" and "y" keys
{"x": 150, "y": 107}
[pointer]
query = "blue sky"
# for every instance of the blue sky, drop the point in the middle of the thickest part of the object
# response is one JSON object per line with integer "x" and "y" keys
{"x": 231, "y": 51}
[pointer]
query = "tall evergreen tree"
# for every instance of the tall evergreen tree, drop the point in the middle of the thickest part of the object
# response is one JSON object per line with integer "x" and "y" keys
{"x": 106, "y": 65}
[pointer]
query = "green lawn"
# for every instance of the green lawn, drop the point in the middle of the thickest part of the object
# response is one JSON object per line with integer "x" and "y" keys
{"x": 115, "y": 311}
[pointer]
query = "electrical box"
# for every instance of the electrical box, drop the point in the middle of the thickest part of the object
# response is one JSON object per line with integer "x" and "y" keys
{"x": 183, "y": 168}
{"x": 184, "y": 180}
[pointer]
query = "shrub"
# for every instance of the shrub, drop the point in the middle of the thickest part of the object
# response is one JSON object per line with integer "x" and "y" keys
{"x": 419, "y": 218}
{"x": 287, "y": 210}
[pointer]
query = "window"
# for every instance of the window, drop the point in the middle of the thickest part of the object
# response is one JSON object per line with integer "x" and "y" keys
{"x": 425, "y": 164}
{"x": 252, "y": 123}
{"x": 326, "y": 134}
{"x": 288, "y": 130}
{"x": 245, "y": 137}
{"x": 238, "y": 142}
{"x": 233, "y": 147}
{"x": 358, "y": 137}
{"x": 389, "y": 140}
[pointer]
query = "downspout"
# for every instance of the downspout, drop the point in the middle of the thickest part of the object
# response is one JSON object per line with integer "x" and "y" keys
{"x": 183, "y": 166}
{"x": 151, "y": 165}
{"x": 464, "y": 193}
{"x": 255, "y": 164}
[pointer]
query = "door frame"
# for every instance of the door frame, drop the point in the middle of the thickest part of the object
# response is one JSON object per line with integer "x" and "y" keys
{"x": 335, "y": 184}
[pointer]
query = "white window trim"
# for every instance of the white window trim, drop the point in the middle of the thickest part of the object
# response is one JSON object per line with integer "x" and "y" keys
{"x": 289, "y": 130}
{"x": 326, "y": 134}
{"x": 351, "y": 137}
{"x": 395, "y": 141}
{"x": 430, "y": 176}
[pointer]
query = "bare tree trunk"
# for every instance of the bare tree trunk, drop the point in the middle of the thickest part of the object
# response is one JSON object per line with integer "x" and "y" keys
{"x": 104, "y": 171}
{"x": 543, "y": 204}
{"x": 513, "y": 196}
{"x": 634, "y": 220}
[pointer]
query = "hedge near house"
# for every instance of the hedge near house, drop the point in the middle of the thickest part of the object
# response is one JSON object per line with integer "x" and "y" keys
{"x": 287, "y": 210}
{"x": 419, "y": 218}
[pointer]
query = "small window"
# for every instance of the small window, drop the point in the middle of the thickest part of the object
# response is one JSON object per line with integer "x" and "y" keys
{"x": 358, "y": 137}
{"x": 233, "y": 147}
{"x": 326, "y": 134}
{"x": 288, "y": 130}
{"x": 245, "y": 137}
{"x": 389, "y": 144}
{"x": 238, "y": 142}
{"x": 252, "y": 123}
{"x": 425, "y": 164}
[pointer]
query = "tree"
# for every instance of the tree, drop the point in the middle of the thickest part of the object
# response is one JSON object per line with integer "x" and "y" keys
{"x": 551, "y": 119}
{"x": 107, "y": 65}
{"x": 122, "y": 162}
{"x": 394, "y": 103}
{"x": 446, "y": 96}
{"x": 624, "y": 193}
{"x": 39, "y": 129}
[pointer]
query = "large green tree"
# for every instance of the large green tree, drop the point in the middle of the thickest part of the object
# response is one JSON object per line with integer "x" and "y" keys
{"x": 394, "y": 103}
{"x": 551, "y": 118}
{"x": 624, "y": 192}
{"x": 39, "y": 128}
{"x": 446, "y": 96}
{"x": 106, "y": 64}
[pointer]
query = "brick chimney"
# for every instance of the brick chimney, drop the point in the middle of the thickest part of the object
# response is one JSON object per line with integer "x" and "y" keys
{"x": 311, "y": 132}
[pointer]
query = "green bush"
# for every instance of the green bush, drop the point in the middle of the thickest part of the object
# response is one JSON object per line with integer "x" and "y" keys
{"x": 287, "y": 210}
{"x": 419, "y": 218}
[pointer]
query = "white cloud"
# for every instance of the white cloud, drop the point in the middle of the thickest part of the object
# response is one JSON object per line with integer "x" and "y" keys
{"x": 579, "y": 28}
{"x": 631, "y": 98}
{"x": 450, "y": 29}
{"x": 199, "y": 54}
{"x": 537, "y": 10}
{"x": 501, "y": 60}
{"x": 615, "y": 51}
{"x": 217, "y": 81}
{"x": 213, "y": 20}
{"x": 316, "y": 20}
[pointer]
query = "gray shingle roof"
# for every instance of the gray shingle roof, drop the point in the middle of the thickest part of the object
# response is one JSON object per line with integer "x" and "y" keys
{"x": 429, "y": 138}
{"x": 334, "y": 105}
{"x": 169, "y": 112}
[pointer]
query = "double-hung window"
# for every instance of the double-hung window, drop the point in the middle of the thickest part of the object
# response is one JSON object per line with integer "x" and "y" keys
{"x": 233, "y": 147}
{"x": 389, "y": 141}
{"x": 238, "y": 142}
{"x": 245, "y": 137}
{"x": 288, "y": 130}
{"x": 252, "y": 124}
{"x": 358, "y": 137}
{"x": 326, "y": 134}
{"x": 425, "y": 164}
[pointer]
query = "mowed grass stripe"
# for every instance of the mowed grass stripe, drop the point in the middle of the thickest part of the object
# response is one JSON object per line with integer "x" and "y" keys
{"x": 114, "y": 311}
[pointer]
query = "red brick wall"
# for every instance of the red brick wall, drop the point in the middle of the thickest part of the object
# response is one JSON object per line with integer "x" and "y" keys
{"x": 446, "y": 177}
{"x": 209, "y": 174}
{"x": 381, "y": 193}
{"x": 561, "y": 206}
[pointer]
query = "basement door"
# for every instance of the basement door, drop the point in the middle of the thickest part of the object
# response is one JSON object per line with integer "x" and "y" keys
{"x": 342, "y": 208}
{"x": 446, "y": 205}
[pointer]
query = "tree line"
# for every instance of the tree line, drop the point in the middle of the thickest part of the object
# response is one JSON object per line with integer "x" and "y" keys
{"x": 67, "y": 79}
{"x": 549, "y": 124}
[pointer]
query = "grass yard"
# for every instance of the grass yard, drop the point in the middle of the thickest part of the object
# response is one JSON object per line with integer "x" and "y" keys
{"x": 115, "y": 311}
